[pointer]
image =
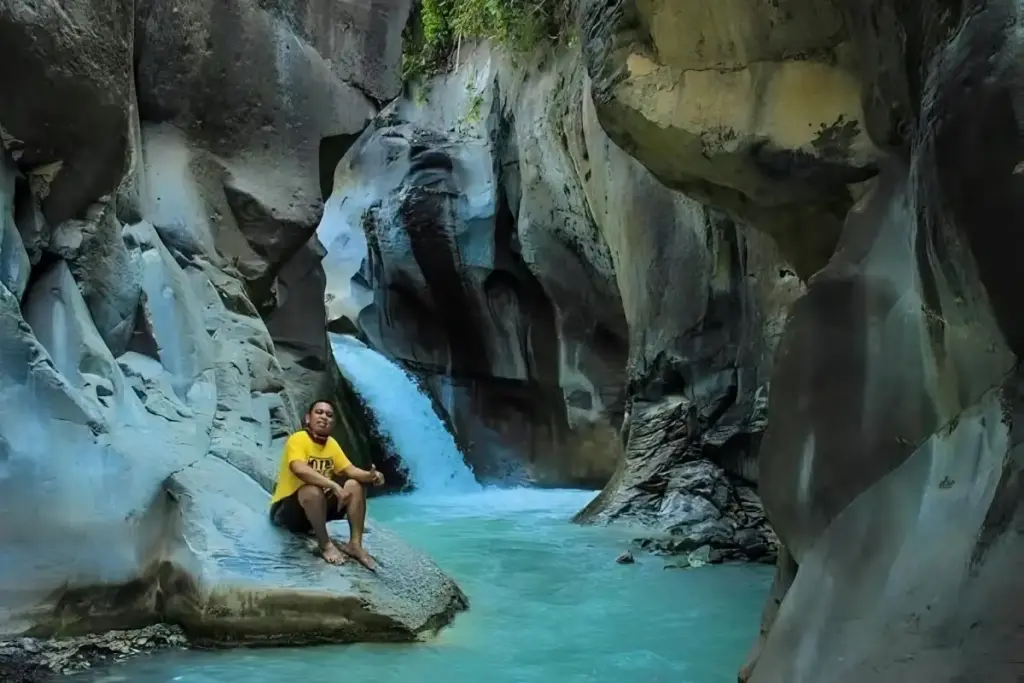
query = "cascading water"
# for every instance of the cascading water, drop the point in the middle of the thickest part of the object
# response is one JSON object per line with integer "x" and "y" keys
{"x": 407, "y": 417}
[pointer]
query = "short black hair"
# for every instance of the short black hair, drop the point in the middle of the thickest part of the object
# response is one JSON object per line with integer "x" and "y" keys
{"x": 320, "y": 400}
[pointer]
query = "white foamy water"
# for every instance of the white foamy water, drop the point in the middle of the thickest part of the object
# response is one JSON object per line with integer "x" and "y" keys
{"x": 407, "y": 417}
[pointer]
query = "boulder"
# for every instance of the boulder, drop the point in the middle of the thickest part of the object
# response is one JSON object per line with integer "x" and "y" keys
{"x": 245, "y": 93}
{"x": 73, "y": 137}
{"x": 185, "y": 536}
{"x": 751, "y": 107}
{"x": 242, "y": 580}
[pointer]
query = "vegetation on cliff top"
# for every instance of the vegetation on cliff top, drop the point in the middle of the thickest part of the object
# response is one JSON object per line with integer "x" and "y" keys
{"x": 437, "y": 26}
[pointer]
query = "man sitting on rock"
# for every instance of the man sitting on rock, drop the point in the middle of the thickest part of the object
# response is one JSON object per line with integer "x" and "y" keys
{"x": 317, "y": 483}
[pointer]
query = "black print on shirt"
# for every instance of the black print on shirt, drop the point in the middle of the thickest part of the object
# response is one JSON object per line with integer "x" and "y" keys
{"x": 322, "y": 466}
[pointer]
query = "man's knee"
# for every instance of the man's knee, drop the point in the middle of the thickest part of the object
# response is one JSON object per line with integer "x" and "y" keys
{"x": 353, "y": 488}
{"x": 310, "y": 495}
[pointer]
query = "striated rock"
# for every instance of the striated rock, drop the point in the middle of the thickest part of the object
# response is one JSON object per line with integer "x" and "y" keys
{"x": 751, "y": 107}
{"x": 687, "y": 501}
{"x": 705, "y": 300}
{"x": 891, "y": 466}
{"x": 96, "y": 254}
{"x": 237, "y": 104}
{"x": 251, "y": 99}
{"x": 73, "y": 136}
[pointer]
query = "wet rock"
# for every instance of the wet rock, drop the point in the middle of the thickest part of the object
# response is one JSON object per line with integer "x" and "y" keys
{"x": 27, "y": 660}
{"x": 666, "y": 485}
{"x": 625, "y": 558}
{"x": 699, "y": 557}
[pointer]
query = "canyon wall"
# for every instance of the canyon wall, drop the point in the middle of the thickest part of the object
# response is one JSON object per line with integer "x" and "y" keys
{"x": 890, "y": 468}
{"x": 579, "y": 322}
{"x": 162, "y": 323}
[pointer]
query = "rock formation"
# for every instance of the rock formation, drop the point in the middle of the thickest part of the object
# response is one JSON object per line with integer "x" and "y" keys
{"x": 564, "y": 305}
{"x": 480, "y": 270}
{"x": 891, "y": 468}
{"x": 162, "y": 321}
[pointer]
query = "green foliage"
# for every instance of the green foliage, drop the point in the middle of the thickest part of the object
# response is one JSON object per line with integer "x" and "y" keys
{"x": 438, "y": 25}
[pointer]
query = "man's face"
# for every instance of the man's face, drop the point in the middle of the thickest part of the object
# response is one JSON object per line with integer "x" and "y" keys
{"x": 321, "y": 419}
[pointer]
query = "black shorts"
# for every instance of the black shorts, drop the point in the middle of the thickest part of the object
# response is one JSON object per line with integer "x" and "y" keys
{"x": 288, "y": 513}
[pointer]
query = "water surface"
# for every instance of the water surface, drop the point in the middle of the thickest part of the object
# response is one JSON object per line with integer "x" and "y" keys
{"x": 548, "y": 605}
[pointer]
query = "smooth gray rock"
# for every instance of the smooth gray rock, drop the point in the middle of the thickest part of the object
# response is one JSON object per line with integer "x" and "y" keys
{"x": 249, "y": 581}
{"x": 14, "y": 260}
{"x": 72, "y": 137}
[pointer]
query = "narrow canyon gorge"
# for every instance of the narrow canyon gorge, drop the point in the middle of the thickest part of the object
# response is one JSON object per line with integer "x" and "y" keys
{"x": 742, "y": 267}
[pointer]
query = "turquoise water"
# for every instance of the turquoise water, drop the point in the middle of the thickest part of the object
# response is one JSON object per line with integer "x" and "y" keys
{"x": 548, "y": 604}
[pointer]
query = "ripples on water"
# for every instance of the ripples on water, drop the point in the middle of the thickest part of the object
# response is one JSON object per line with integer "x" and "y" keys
{"x": 549, "y": 605}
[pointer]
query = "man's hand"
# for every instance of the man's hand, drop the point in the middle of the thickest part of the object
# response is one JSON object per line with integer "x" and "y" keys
{"x": 339, "y": 494}
{"x": 378, "y": 478}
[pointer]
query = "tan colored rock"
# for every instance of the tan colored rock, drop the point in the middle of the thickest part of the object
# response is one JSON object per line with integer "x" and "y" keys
{"x": 892, "y": 465}
{"x": 752, "y": 107}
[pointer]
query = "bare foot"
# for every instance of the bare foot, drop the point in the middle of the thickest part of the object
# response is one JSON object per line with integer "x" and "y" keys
{"x": 364, "y": 558}
{"x": 332, "y": 555}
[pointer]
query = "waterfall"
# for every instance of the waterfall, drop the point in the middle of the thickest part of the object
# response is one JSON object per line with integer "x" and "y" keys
{"x": 406, "y": 416}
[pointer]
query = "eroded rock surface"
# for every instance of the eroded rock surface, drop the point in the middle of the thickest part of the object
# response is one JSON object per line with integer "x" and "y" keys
{"x": 489, "y": 234}
{"x": 142, "y": 243}
{"x": 468, "y": 254}
{"x": 891, "y": 467}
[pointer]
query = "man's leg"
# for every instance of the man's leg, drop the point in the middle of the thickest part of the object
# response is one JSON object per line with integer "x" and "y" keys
{"x": 314, "y": 504}
{"x": 355, "y": 501}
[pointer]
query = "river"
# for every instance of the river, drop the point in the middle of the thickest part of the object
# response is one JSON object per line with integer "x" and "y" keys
{"x": 548, "y": 602}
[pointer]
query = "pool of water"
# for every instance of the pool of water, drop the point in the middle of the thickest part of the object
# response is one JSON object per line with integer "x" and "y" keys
{"x": 548, "y": 604}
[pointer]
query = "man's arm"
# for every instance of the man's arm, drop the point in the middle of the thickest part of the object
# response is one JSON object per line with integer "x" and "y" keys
{"x": 302, "y": 470}
{"x": 367, "y": 477}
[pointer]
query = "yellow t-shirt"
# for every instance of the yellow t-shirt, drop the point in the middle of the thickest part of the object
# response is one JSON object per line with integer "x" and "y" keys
{"x": 325, "y": 459}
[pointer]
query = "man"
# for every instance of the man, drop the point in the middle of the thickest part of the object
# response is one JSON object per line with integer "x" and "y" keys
{"x": 317, "y": 484}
